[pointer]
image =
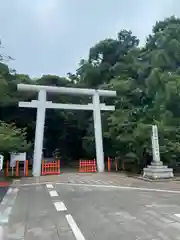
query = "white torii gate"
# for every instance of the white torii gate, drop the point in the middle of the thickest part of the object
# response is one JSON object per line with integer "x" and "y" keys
{"x": 41, "y": 104}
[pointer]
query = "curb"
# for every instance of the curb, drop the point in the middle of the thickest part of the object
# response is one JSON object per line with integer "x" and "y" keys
{"x": 4, "y": 184}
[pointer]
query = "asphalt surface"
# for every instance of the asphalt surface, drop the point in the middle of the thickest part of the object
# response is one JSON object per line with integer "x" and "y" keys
{"x": 71, "y": 211}
{"x": 109, "y": 213}
{"x": 3, "y": 191}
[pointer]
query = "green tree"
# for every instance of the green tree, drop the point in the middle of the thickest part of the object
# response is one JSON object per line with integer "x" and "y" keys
{"x": 12, "y": 139}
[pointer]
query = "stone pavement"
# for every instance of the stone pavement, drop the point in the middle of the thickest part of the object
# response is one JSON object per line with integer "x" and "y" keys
{"x": 90, "y": 207}
{"x": 116, "y": 179}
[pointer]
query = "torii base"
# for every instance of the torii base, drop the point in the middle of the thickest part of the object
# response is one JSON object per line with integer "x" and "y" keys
{"x": 157, "y": 171}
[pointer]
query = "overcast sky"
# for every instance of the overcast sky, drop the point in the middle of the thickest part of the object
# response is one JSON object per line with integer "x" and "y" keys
{"x": 51, "y": 36}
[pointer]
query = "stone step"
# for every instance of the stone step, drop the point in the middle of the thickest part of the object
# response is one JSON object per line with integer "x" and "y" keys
{"x": 157, "y": 167}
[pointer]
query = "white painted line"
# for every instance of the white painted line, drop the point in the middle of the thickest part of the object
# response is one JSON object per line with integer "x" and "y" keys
{"x": 49, "y": 185}
{"x": 53, "y": 194}
{"x": 60, "y": 206}
{"x": 15, "y": 190}
{"x": 8, "y": 202}
{"x": 33, "y": 184}
{"x": 119, "y": 187}
{"x": 3, "y": 236}
{"x": 4, "y": 217}
{"x": 1, "y": 233}
{"x": 8, "y": 211}
{"x": 76, "y": 231}
{"x": 16, "y": 181}
{"x": 12, "y": 191}
{"x": 102, "y": 186}
{"x": 9, "y": 191}
{"x": 161, "y": 205}
{"x": 177, "y": 215}
{"x": 4, "y": 201}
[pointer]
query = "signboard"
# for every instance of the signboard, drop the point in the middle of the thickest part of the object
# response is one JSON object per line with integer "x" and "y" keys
{"x": 21, "y": 157}
{"x": 1, "y": 162}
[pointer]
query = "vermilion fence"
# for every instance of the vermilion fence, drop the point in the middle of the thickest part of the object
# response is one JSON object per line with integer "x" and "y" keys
{"x": 50, "y": 168}
{"x": 87, "y": 166}
{"x": 15, "y": 171}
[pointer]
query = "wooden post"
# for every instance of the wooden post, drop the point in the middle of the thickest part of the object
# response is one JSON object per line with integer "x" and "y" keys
{"x": 7, "y": 168}
{"x": 109, "y": 164}
{"x": 42, "y": 171}
{"x": 17, "y": 168}
{"x": 26, "y": 169}
{"x": 116, "y": 164}
{"x": 59, "y": 171}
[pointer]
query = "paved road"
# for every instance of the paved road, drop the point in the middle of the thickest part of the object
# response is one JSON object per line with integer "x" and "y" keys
{"x": 108, "y": 213}
{"x": 3, "y": 191}
{"x": 71, "y": 211}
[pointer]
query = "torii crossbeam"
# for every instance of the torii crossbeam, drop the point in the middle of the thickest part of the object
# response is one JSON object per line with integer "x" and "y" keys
{"x": 41, "y": 104}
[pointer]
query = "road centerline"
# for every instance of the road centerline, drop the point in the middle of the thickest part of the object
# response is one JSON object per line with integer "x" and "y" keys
{"x": 49, "y": 186}
{"x": 53, "y": 193}
{"x": 60, "y": 206}
{"x": 75, "y": 229}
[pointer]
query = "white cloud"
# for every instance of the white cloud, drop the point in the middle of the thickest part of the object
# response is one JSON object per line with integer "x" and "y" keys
{"x": 46, "y": 11}
{"x": 44, "y": 14}
{"x": 46, "y": 18}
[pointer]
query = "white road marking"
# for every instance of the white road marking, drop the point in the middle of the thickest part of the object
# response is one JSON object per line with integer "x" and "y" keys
{"x": 49, "y": 185}
{"x": 60, "y": 206}
{"x": 103, "y": 186}
{"x": 161, "y": 205}
{"x": 8, "y": 202}
{"x": 5, "y": 215}
{"x": 9, "y": 191}
{"x": 53, "y": 193}
{"x": 10, "y": 196}
{"x": 34, "y": 184}
{"x": 15, "y": 190}
{"x": 1, "y": 233}
{"x": 76, "y": 231}
{"x": 4, "y": 201}
{"x": 177, "y": 215}
{"x": 119, "y": 187}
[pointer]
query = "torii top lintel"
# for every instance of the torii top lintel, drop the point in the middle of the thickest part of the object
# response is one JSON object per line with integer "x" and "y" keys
{"x": 67, "y": 90}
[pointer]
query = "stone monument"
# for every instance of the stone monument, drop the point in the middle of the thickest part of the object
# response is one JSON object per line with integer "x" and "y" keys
{"x": 156, "y": 170}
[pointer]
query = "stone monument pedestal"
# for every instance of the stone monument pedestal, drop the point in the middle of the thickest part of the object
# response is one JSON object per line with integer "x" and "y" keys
{"x": 157, "y": 171}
